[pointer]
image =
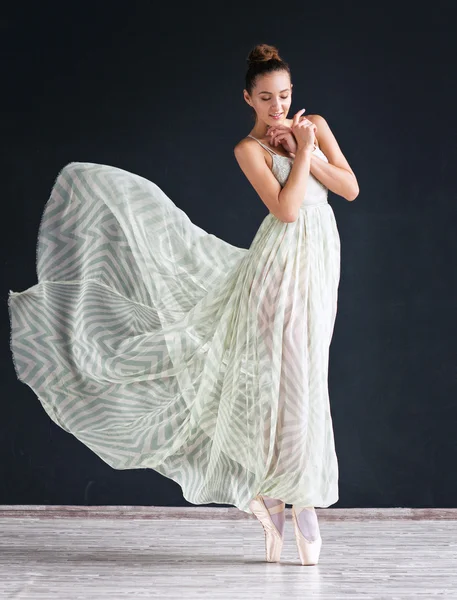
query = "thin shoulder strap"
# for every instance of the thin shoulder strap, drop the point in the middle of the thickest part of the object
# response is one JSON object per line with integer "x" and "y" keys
{"x": 263, "y": 145}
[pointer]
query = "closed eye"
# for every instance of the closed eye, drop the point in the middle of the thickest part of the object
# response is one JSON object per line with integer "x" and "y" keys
{"x": 267, "y": 99}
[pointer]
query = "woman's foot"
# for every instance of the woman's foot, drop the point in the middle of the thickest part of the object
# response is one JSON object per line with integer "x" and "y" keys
{"x": 278, "y": 518}
{"x": 270, "y": 513}
{"x": 307, "y": 534}
{"x": 307, "y": 522}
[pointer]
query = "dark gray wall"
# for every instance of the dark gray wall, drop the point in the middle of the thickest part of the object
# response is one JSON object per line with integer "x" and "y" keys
{"x": 158, "y": 91}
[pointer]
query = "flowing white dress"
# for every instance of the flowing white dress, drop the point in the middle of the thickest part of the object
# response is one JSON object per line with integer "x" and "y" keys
{"x": 161, "y": 346}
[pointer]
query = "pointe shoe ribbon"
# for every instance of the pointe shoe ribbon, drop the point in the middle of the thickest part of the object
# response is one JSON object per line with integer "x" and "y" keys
{"x": 273, "y": 539}
{"x": 308, "y": 551}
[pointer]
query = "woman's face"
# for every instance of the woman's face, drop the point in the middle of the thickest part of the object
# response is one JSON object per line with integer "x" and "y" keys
{"x": 272, "y": 94}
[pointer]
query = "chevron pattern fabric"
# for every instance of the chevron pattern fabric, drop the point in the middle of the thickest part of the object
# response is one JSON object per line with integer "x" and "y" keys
{"x": 161, "y": 346}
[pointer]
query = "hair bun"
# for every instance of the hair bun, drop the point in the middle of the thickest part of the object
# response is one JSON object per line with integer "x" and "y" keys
{"x": 262, "y": 53}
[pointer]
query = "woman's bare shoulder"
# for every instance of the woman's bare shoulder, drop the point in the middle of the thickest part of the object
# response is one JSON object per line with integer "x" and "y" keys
{"x": 245, "y": 143}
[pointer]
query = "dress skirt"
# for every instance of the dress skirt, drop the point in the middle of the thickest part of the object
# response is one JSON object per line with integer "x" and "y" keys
{"x": 161, "y": 346}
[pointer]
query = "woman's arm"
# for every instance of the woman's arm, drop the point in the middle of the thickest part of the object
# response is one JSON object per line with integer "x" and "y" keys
{"x": 336, "y": 175}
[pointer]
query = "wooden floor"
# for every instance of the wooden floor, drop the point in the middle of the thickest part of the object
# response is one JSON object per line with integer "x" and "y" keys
{"x": 216, "y": 553}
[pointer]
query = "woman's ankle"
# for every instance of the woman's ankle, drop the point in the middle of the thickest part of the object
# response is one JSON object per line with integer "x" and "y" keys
{"x": 307, "y": 522}
{"x": 277, "y": 518}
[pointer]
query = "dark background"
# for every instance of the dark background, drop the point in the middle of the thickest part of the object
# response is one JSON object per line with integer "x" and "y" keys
{"x": 157, "y": 89}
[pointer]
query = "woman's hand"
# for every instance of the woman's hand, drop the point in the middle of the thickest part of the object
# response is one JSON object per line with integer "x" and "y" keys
{"x": 303, "y": 130}
{"x": 282, "y": 135}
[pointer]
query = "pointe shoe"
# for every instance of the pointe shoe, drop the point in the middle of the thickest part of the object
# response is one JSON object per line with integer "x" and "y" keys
{"x": 273, "y": 539}
{"x": 309, "y": 551}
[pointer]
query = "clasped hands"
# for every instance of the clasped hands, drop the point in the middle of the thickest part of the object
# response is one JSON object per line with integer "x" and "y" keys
{"x": 282, "y": 135}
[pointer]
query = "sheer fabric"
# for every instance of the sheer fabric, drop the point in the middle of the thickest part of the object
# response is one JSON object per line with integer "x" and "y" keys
{"x": 161, "y": 346}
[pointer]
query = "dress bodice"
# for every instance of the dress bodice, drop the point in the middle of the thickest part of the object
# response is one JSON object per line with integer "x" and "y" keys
{"x": 316, "y": 192}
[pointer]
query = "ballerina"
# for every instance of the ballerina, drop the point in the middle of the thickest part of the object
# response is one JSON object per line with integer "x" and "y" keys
{"x": 159, "y": 345}
{"x": 294, "y": 193}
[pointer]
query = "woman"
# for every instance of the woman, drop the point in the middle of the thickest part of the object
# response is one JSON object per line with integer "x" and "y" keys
{"x": 159, "y": 345}
{"x": 287, "y": 161}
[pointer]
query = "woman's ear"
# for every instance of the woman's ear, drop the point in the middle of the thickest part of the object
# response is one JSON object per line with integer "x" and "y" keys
{"x": 246, "y": 97}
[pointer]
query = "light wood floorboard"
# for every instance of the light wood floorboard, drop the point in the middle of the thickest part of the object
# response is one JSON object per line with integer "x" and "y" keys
{"x": 145, "y": 552}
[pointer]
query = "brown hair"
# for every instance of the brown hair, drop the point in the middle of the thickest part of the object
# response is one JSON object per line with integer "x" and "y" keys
{"x": 262, "y": 59}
